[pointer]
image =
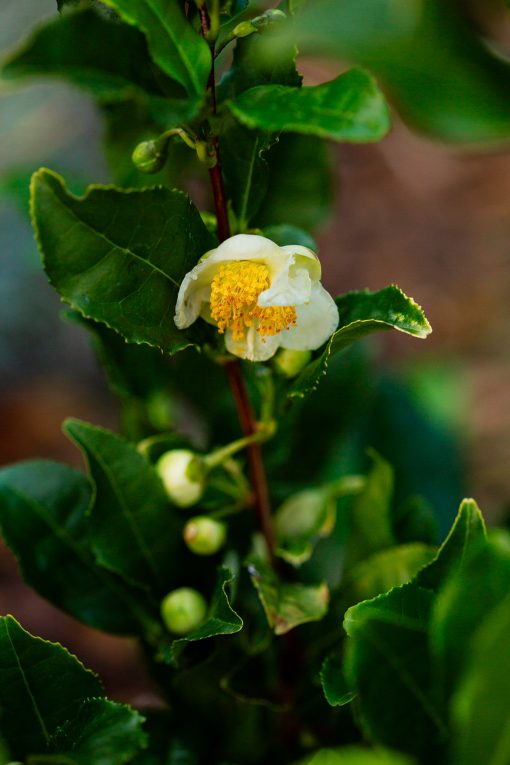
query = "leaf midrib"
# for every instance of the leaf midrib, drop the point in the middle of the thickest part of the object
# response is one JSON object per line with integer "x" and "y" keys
{"x": 106, "y": 239}
{"x": 37, "y": 711}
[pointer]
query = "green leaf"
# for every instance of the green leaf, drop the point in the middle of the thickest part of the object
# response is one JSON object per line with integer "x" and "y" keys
{"x": 174, "y": 45}
{"x": 370, "y": 515}
{"x": 299, "y": 170}
{"x": 420, "y": 51}
{"x": 466, "y": 601}
{"x": 48, "y": 502}
{"x": 389, "y": 667}
{"x": 108, "y": 59}
{"x": 354, "y": 755}
{"x": 118, "y": 257}
{"x": 133, "y": 530}
{"x": 102, "y": 733}
{"x": 287, "y": 605}
{"x": 42, "y": 686}
{"x": 221, "y": 620}
{"x": 349, "y": 108}
{"x": 305, "y": 517}
{"x": 387, "y": 569}
{"x": 481, "y": 718}
{"x": 245, "y": 168}
{"x": 466, "y": 534}
{"x": 334, "y": 684}
{"x": 362, "y": 314}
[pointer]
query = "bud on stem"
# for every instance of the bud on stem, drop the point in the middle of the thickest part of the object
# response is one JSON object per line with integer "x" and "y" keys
{"x": 183, "y": 610}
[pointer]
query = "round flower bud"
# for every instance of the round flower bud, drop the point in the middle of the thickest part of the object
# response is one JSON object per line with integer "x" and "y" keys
{"x": 244, "y": 29}
{"x": 183, "y": 610}
{"x": 149, "y": 157}
{"x": 268, "y": 18}
{"x": 183, "y": 475}
{"x": 290, "y": 363}
{"x": 204, "y": 535}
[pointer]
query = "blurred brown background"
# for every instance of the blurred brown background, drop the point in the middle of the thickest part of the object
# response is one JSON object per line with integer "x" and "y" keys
{"x": 432, "y": 219}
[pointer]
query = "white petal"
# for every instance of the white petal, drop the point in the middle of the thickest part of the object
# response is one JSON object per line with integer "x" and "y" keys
{"x": 193, "y": 292}
{"x": 253, "y": 347}
{"x": 304, "y": 258}
{"x": 289, "y": 286}
{"x": 315, "y": 322}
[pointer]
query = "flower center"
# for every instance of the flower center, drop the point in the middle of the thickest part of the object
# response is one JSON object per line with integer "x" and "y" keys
{"x": 234, "y": 293}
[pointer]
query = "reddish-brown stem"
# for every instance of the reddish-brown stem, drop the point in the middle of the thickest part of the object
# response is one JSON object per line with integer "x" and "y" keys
{"x": 255, "y": 458}
{"x": 233, "y": 368}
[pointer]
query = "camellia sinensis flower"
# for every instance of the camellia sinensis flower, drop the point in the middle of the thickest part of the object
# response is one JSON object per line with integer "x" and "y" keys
{"x": 260, "y": 296}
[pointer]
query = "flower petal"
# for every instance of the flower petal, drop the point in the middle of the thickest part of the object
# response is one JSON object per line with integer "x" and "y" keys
{"x": 253, "y": 347}
{"x": 316, "y": 322}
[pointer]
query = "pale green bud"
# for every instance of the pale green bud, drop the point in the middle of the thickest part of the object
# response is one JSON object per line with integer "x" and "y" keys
{"x": 268, "y": 18}
{"x": 204, "y": 535}
{"x": 243, "y": 29}
{"x": 149, "y": 156}
{"x": 183, "y": 610}
{"x": 290, "y": 363}
{"x": 183, "y": 475}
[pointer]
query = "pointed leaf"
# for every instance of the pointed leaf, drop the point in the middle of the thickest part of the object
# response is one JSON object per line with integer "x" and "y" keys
{"x": 103, "y": 732}
{"x": 33, "y": 704}
{"x": 108, "y": 59}
{"x": 349, "y": 108}
{"x": 133, "y": 529}
{"x": 48, "y": 502}
{"x": 221, "y": 619}
{"x": 353, "y": 755}
{"x": 362, "y": 314}
{"x": 118, "y": 256}
{"x": 287, "y": 605}
{"x": 175, "y": 46}
{"x": 388, "y": 665}
{"x": 466, "y": 533}
{"x": 465, "y": 602}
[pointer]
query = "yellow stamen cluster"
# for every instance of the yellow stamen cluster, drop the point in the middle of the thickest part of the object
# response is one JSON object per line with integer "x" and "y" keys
{"x": 234, "y": 293}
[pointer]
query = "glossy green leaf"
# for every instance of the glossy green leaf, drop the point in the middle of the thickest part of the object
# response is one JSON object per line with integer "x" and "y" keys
{"x": 48, "y": 502}
{"x": 466, "y": 534}
{"x": 387, "y": 569}
{"x": 481, "y": 707}
{"x": 175, "y": 46}
{"x": 370, "y": 513}
{"x": 118, "y": 257}
{"x": 221, "y": 619}
{"x": 466, "y": 602}
{"x": 421, "y": 50}
{"x": 389, "y": 667}
{"x": 362, "y": 314}
{"x": 245, "y": 167}
{"x": 334, "y": 684}
{"x": 133, "y": 529}
{"x": 287, "y": 605}
{"x": 103, "y": 732}
{"x": 299, "y": 170}
{"x": 108, "y": 59}
{"x": 42, "y": 686}
{"x": 349, "y": 108}
{"x": 354, "y": 755}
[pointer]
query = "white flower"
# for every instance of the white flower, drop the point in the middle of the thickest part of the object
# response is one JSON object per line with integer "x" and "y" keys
{"x": 261, "y": 296}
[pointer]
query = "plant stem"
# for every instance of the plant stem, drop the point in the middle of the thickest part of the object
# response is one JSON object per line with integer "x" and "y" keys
{"x": 233, "y": 368}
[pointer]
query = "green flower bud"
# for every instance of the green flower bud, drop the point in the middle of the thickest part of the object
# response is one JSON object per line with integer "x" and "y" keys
{"x": 183, "y": 610}
{"x": 290, "y": 363}
{"x": 204, "y": 535}
{"x": 183, "y": 475}
{"x": 150, "y": 156}
{"x": 243, "y": 29}
{"x": 268, "y": 18}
